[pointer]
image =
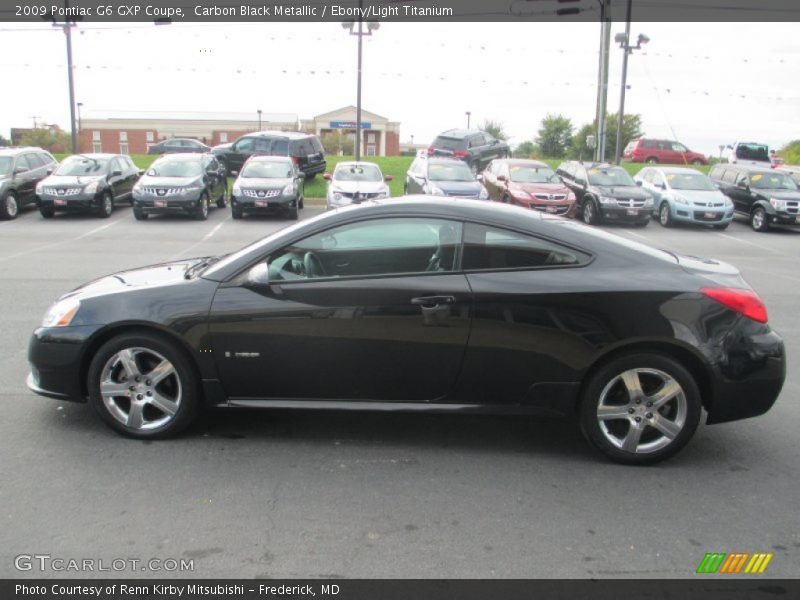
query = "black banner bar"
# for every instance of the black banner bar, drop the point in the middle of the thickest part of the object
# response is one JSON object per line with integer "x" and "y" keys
{"x": 285, "y": 11}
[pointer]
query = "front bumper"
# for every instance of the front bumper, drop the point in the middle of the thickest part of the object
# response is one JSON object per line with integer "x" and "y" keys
{"x": 153, "y": 205}
{"x": 695, "y": 214}
{"x": 563, "y": 209}
{"x": 265, "y": 205}
{"x": 56, "y": 361}
{"x": 78, "y": 202}
{"x": 783, "y": 219}
{"x": 612, "y": 213}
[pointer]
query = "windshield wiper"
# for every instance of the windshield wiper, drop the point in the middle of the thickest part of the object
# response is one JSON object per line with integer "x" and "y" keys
{"x": 200, "y": 266}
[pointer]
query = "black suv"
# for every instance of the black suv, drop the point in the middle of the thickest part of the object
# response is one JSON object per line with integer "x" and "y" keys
{"x": 606, "y": 192}
{"x": 304, "y": 149}
{"x": 20, "y": 170}
{"x": 178, "y": 145}
{"x": 476, "y": 148}
{"x": 766, "y": 197}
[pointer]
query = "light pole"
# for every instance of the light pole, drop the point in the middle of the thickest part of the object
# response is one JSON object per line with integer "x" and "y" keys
{"x": 67, "y": 28}
{"x": 623, "y": 39}
{"x": 259, "y": 119}
{"x": 79, "y": 124}
{"x": 469, "y": 114}
{"x": 349, "y": 25}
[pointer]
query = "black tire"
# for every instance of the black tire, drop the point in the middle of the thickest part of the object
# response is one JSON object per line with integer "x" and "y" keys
{"x": 46, "y": 212}
{"x": 721, "y": 226}
{"x": 505, "y": 199}
{"x": 9, "y": 208}
{"x": 294, "y": 214}
{"x": 682, "y": 415}
{"x": 106, "y": 207}
{"x": 139, "y": 214}
{"x": 589, "y": 212}
{"x": 222, "y": 201}
{"x": 652, "y": 160}
{"x": 759, "y": 220}
{"x": 184, "y": 373}
{"x": 642, "y": 224}
{"x": 665, "y": 215}
{"x": 697, "y": 162}
{"x": 236, "y": 212}
{"x": 301, "y": 203}
{"x": 201, "y": 212}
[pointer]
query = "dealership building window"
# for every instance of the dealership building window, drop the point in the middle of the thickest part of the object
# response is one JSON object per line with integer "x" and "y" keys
{"x": 97, "y": 147}
{"x": 95, "y": 136}
{"x": 123, "y": 147}
{"x": 150, "y": 136}
{"x": 123, "y": 136}
{"x": 223, "y": 137}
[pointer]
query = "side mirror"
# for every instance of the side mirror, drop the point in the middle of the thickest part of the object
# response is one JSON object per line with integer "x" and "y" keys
{"x": 638, "y": 182}
{"x": 501, "y": 178}
{"x": 301, "y": 175}
{"x": 326, "y": 176}
{"x": 258, "y": 275}
{"x": 19, "y": 170}
{"x": 49, "y": 171}
{"x": 387, "y": 178}
{"x": 141, "y": 172}
{"x": 116, "y": 173}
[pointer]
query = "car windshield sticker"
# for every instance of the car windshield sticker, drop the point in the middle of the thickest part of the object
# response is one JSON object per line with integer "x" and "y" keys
{"x": 756, "y": 178}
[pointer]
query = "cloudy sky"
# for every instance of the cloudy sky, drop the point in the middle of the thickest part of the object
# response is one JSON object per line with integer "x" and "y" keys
{"x": 705, "y": 84}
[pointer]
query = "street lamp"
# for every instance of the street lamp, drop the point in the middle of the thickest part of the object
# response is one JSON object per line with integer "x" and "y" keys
{"x": 79, "y": 124}
{"x": 623, "y": 39}
{"x": 469, "y": 114}
{"x": 259, "y": 119}
{"x": 349, "y": 25}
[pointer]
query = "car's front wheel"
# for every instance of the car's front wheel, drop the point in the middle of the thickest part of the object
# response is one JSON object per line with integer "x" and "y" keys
{"x": 640, "y": 409}
{"x": 665, "y": 215}
{"x": 590, "y": 214}
{"x": 201, "y": 212}
{"x": 10, "y": 207}
{"x": 106, "y": 206}
{"x": 143, "y": 386}
{"x": 759, "y": 221}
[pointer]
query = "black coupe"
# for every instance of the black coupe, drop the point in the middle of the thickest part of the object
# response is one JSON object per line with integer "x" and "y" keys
{"x": 414, "y": 304}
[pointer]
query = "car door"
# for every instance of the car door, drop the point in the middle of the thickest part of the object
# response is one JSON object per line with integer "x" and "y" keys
{"x": 370, "y": 310}
{"x": 415, "y": 177}
{"x": 240, "y": 152}
{"x": 216, "y": 180}
{"x": 24, "y": 179}
{"x": 656, "y": 185}
{"x": 116, "y": 178}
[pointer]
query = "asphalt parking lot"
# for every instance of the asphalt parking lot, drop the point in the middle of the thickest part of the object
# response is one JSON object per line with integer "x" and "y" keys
{"x": 305, "y": 494}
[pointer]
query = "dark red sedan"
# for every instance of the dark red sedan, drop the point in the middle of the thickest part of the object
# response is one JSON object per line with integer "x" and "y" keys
{"x": 529, "y": 183}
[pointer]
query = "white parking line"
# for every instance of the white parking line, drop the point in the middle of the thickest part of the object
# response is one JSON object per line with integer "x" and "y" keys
{"x": 641, "y": 237}
{"x": 60, "y": 243}
{"x": 209, "y": 235}
{"x": 741, "y": 241}
{"x": 213, "y": 231}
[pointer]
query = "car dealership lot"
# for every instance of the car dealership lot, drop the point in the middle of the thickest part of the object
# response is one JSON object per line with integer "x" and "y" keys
{"x": 282, "y": 494}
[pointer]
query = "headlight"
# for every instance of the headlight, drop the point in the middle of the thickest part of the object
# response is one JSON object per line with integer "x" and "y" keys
{"x": 384, "y": 193}
{"x": 607, "y": 200}
{"x": 648, "y": 202}
{"x": 778, "y": 204}
{"x": 435, "y": 190}
{"x": 521, "y": 194}
{"x": 91, "y": 188}
{"x": 680, "y": 200}
{"x": 571, "y": 197}
{"x": 61, "y": 313}
{"x": 38, "y": 189}
{"x": 237, "y": 190}
{"x": 288, "y": 190}
{"x": 137, "y": 190}
{"x": 483, "y": 195}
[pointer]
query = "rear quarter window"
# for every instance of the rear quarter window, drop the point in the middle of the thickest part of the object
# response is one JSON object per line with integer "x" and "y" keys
{"x": 450, "y": 143}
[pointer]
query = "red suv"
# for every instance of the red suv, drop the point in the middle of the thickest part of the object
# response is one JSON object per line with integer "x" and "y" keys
{"x": 528, "y": 183}
{"x": 662, "y": 151}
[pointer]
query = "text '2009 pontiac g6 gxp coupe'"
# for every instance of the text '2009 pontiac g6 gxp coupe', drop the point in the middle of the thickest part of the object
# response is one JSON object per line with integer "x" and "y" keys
{"x": 420, "y": 304}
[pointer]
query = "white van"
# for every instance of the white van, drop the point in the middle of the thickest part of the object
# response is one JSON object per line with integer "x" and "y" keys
{"x": 748, "y": 153}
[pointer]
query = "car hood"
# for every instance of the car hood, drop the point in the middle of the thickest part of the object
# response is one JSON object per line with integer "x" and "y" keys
{"x": 222, "y": 146}
{"x": 701, "y": 195}
{"x": 142, "y": 277}
{"x": 540, "y": 188}
{"x": 624, "y": 191}
{"x": 152, "y": 181}
{"x": 453, "y": 187}
{"x": 263, "y": 183}
{"x": 68, "y": 180}
{"x": 351, "y": 187}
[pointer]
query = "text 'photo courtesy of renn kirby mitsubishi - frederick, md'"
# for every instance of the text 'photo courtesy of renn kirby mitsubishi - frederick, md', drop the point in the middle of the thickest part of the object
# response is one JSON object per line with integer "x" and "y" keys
{"x": 417, "y": 299}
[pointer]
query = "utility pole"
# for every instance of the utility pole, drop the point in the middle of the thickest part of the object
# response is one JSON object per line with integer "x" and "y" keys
{"x": 626, "y": 52}
{"x": 602, "y": 80}
{"x": 68, "y": 33}
{"x": 469, "y": 115}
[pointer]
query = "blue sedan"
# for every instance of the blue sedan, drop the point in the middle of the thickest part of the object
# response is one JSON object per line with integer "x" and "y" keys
{"x": 687, "y": 195}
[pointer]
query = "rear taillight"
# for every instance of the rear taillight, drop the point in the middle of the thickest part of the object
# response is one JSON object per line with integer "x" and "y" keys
{"x": 431, "y": 149}
{"x": 296, "y": 160}
{"x": 460, "y": 154}
{"x": 745, "y": 302}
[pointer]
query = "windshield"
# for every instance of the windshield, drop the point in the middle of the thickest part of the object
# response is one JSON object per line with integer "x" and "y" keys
{"x": 532, "y": 175}
{"x": 267, "y": 170}
{"x": 357, "y": 173}
{"x": 5, "y": 164}
{"x": 610, "y": 176}
{"x": 690, "y": 181}
{"x": 752, "y": 152}
{"x": 76, "y": 165}
{"x": 449, "y": 143}
{"x": 176, "y": 168}
{"x": 772, "y": 181}
{"x": 450, "y": 172}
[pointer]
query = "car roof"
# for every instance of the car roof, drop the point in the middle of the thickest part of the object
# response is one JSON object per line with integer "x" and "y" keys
{"x": 676, "y": 170}
{"x": 292, "y": 135}
{"x": 445, "y": 160}
{"x": 184, "y": 156}
{"x": 355, "y": 163}
{"x": 92, "y": 155}
{"x": 459, "y": 133}
{"x": 13, "y": 150}
{"x": 522, "y": 162}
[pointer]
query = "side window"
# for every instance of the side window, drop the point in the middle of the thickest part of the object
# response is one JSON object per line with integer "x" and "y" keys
{"x": 173, "y": 143}
{"x": 34, "y": 161}
{"x": 649, "y": 144}
{"x": 717, "y": 172}
{"x": 664, "y": 146}
{"x": 730, "y": 176}
{"x": 261, "y": 144}
{"x": 114, "y": 165}
{"x": 46, "y": 158}
{"x": 580, "y": 175}
{"x": 245, "y": 145}
{"x": 317, "y": 145}
{"x": 490, "y": 248}
{"x": 393, "y": 246}
{"x": 22, "y": 163}
{"x": 679, "y": 148}
{"x": 647, "y": 175}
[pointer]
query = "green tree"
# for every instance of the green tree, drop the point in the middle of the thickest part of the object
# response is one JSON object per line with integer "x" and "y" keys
{"x": 331, "y": 142}
{"x": 791, "y": 153}
{"x": 578, "y": 149}
{"x": 493, "y": 128}
{"x": 45, "y": 138}
{"x": 4, "y": 141}
{"x": 555, "y": 136}
{"x": 631, "y": 130}
{"x": 525, "y": 149}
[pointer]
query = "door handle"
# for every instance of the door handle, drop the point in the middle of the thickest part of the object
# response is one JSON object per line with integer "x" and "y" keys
{"x": 432, "y": 301}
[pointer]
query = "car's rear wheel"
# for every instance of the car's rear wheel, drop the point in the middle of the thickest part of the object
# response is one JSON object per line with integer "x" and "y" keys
{"x": 665, "y": 215}
{"x": 9, "y": 209}
{"x": 640, "y": 409}
{"x": 652, "y": 160}
{"x": 697, "y": 162}
{"x": 590, "y": 215}
{"x": 759, "y": 221}
{"x": 143, "y": 386}
{"x": 201, "y": 213}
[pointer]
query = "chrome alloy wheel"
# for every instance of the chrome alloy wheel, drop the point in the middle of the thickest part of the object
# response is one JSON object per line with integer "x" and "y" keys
{"x": 642, "y": 410}
{"x": 140, "y": 388}
{"x": 12, "y": 206}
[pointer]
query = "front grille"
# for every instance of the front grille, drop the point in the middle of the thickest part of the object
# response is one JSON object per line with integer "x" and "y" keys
{"x": 362, "y": 195}
{"x": 161, "y": 192}
{"x": 792, "y": 207}
{"x": 701, "y": 216}
{"x": 461, "y": 195}
{"x": 550, "y": 196}
{"x": 552, "y": 209}
{"x": 710, "y": 204}
{"x": 57, "y": 191}
{"x": 261, "y": 193}
{"x": 630, "y": 203}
